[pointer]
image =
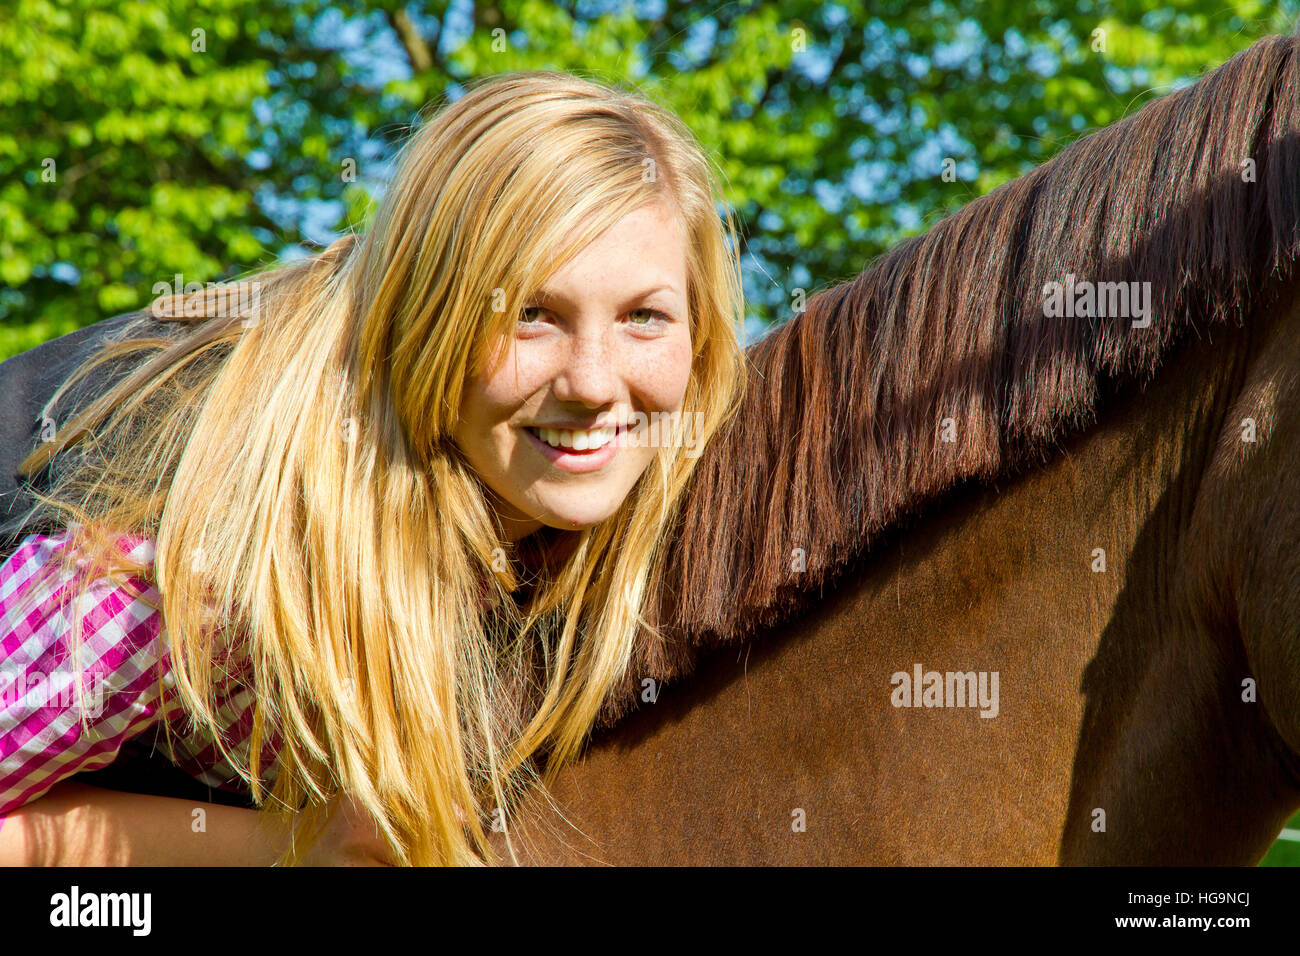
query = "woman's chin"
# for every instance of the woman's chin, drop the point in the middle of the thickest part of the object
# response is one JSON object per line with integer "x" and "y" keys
{"x": 576, "y": 519}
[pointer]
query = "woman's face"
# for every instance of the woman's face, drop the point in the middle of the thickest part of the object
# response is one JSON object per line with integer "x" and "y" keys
{"x": 606, "y": 338}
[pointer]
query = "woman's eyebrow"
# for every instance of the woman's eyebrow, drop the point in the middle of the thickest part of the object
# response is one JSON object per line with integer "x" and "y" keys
{"x": 548, "y": 296}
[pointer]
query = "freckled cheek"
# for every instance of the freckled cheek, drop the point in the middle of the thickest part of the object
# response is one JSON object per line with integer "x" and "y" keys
{"x": 661, "y": 379}
{"x": 501, "y": 394}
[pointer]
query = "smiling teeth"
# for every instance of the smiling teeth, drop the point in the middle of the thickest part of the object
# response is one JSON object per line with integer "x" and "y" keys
{"x": 576, "y": 440}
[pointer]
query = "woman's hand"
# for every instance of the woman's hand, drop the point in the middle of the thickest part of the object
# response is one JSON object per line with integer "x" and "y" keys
{"x": 350, "y": 838}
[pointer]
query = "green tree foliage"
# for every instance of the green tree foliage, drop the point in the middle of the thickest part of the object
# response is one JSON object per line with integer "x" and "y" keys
{"x": 131, "y": 150}
{"x": 202, "y": 138}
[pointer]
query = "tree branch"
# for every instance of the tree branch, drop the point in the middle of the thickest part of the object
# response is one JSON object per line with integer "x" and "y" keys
{"x": 417, "y": 50}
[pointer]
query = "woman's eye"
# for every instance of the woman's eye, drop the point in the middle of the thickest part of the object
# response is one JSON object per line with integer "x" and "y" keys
{"x": 533, "y": 314}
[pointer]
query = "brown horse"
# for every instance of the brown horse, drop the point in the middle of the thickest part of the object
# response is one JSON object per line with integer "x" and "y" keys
{"x": 973, "y": 578}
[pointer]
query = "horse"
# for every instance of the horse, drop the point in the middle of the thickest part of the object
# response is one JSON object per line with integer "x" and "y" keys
{"x": 992, "y": 566}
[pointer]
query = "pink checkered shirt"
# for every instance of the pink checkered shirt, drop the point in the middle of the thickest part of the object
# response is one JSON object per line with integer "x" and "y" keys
{"x": 42, "y": 740}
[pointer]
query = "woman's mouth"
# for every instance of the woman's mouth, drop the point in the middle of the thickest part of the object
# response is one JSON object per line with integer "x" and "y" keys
{"x": 577, "y": 450}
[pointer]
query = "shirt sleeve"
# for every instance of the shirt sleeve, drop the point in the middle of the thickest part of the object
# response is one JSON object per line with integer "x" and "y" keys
{"x": 43, "y": 738}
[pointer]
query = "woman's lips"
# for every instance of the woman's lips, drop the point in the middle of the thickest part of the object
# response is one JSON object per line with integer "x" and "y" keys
{"x": 577, "y": 462}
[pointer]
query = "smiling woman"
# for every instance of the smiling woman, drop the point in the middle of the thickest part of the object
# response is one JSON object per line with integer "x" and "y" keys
{"x": 407, "y": 506}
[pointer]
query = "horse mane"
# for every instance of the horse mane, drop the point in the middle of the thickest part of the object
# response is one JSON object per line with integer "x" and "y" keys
{"x": 840, "y": 434}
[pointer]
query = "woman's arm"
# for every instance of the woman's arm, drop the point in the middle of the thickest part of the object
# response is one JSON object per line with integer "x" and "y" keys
{"x": 80, "y": 825}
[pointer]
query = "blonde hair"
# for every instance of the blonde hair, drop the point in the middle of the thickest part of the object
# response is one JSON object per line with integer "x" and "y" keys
{"x": 307, "y": 458}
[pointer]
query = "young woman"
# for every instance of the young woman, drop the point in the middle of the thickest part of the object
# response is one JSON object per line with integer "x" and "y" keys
{"x": 376, "y": 547}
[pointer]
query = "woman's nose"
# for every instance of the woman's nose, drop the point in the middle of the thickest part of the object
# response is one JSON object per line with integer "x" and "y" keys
{"x": 589, "y": 373}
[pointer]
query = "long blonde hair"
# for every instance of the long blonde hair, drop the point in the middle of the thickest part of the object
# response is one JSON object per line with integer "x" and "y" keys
{"x": 297, "y": 473}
